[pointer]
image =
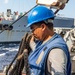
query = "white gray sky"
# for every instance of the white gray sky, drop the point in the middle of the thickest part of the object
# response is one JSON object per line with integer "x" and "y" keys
{"x": 25, "y": 5}
{"x": 6, "y": 1}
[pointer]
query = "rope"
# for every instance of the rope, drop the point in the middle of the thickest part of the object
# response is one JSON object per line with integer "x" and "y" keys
{"x": 13, "y": 59}
{"x": 26, "y": 65}
{"x": 19, "y": 65}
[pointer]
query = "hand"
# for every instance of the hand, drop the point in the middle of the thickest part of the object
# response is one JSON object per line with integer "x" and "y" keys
{"x": 21, "y": 55}
{"x": 23, "y": 74}
{"x": 32, "y": 43}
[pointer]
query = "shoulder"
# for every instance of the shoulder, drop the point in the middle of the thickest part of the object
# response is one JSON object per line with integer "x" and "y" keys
{"x": 57, "y": 54}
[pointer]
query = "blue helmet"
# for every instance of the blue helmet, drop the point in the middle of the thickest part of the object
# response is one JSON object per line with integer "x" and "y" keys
{"x": 38, "y": 14}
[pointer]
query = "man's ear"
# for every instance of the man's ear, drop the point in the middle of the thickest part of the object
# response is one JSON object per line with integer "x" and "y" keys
{"x": 43, "y": 26}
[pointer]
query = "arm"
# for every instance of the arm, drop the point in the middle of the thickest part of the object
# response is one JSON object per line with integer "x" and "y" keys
{"x": 56, "y": 63}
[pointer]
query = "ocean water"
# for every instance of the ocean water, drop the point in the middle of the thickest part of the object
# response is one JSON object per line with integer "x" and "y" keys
{"x": 7, "y": 53}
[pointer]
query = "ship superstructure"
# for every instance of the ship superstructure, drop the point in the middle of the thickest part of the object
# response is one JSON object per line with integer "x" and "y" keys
{"x": 12, "y": 32}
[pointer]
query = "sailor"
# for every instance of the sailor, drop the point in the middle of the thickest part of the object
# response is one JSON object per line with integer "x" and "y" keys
{"x": 51, "y": 55}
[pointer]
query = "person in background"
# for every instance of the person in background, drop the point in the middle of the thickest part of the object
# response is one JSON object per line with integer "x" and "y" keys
{"x": 51, "y": 55}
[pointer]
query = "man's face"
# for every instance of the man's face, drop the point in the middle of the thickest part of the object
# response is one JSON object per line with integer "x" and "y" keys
{"x": 37, "y": 31}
